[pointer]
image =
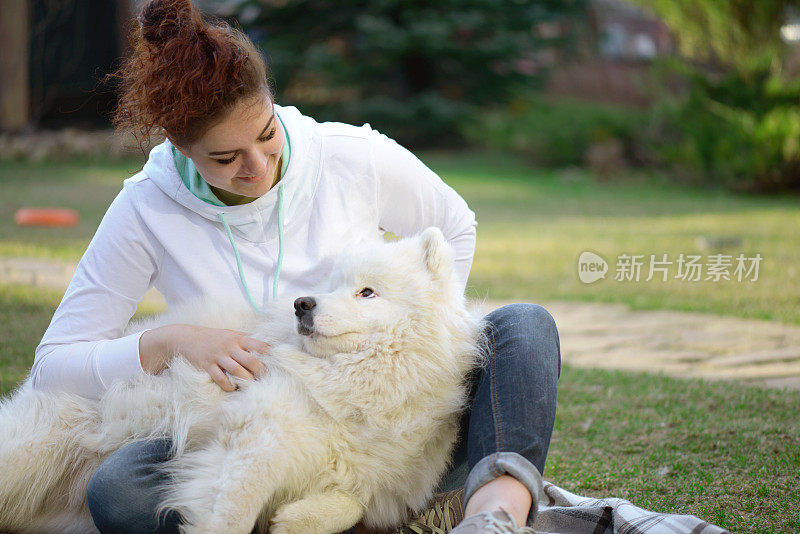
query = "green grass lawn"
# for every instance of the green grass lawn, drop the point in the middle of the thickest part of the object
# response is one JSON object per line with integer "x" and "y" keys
{"x": 727, "y": 453}
{"x": 88, "y": 187}
{"x": 24, "y": 315}
{"x": 534, "y": 224}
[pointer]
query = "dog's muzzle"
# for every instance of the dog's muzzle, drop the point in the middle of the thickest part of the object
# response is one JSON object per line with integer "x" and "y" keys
{"x": 304, "y": 311}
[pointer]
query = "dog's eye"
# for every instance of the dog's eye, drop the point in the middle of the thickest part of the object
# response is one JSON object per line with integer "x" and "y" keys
{"x": 367, "y": 293}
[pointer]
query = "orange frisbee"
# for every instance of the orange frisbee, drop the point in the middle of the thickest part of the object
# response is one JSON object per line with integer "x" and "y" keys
{"x": 46, "y": 217}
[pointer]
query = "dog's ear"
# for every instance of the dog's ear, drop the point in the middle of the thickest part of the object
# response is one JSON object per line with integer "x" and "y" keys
{"x": 434, "y": 249}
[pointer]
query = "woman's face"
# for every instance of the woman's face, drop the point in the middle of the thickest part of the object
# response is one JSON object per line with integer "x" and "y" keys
{"x": 239, "y": 155}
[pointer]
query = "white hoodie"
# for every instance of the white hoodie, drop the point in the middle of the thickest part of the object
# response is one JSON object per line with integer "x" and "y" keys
{"x": 343, "y": 185}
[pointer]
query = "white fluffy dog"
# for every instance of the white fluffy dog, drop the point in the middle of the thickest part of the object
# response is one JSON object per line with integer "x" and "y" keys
{"x": 355, "y": 419}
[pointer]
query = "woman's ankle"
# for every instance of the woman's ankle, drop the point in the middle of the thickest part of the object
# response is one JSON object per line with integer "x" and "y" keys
{"x": 504, "y": 492}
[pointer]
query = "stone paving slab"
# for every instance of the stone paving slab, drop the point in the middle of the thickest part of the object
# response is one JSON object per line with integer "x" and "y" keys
{"x": 683, "y": 344}
{"x": 52, "y": 274}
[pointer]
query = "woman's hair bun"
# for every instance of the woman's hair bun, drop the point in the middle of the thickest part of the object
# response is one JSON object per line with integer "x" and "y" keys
{"x": 162, "y": 20}
{"x": 184, "y": 73}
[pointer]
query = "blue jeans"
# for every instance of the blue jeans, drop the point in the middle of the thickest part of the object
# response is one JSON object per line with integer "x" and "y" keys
{"x": 505, "y": 430}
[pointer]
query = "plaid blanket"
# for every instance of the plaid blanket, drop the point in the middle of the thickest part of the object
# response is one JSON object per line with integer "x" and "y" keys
{"x": 566, "y": 513}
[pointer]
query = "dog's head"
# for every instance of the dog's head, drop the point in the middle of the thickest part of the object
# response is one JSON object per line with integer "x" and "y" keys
{"x": 380, "y": 292}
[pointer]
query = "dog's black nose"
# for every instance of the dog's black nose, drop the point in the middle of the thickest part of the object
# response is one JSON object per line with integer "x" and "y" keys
{"x": 303, "y": 305}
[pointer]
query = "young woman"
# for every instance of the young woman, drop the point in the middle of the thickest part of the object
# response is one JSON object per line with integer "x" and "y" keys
{"x": 248, "y": 198}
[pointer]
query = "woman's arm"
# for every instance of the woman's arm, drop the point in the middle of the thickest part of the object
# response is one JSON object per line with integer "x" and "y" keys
{"x": 83, "y": 349}
{"x": 411, "y": 197}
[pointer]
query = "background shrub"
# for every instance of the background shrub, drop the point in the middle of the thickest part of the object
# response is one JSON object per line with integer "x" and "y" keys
{"x": 556, "y": 132}
{"x": 733, "y": 131}
{"x": 738, "y": 124}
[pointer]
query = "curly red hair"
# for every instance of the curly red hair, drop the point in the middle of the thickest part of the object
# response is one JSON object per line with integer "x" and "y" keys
{"x": 184, "y": 73}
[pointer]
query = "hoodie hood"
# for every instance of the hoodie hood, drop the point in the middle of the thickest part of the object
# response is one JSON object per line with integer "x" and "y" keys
{"x": 256, "y": 221}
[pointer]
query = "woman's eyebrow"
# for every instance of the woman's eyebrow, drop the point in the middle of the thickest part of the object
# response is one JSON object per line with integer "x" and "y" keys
{"x": 238, "y": 149}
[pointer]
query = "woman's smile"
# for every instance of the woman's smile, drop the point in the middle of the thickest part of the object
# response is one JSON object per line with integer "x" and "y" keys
{"x": 255, "y": 179}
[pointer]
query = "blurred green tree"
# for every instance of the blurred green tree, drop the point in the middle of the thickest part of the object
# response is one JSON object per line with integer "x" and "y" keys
{"x": 740, "y": 34}
{"x": 414, "y": 69}
{"x": 739, "y": 122}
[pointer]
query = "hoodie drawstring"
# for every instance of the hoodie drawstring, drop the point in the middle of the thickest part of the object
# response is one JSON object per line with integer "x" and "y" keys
{"x": 200, "y": 189}
{"x": 280, "y": 253}
{"x": 280, "y": 244}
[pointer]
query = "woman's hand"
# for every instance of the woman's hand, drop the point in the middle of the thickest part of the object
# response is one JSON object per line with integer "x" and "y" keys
{"x": 211, "y": 349}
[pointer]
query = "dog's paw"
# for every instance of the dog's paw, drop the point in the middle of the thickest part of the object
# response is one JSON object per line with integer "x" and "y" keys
{"x": 293, "y": 519}
{"x": 213, "y": 525}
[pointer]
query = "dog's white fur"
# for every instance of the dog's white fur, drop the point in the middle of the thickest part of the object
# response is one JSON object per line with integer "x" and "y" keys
{"x": 354, "y": 422}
